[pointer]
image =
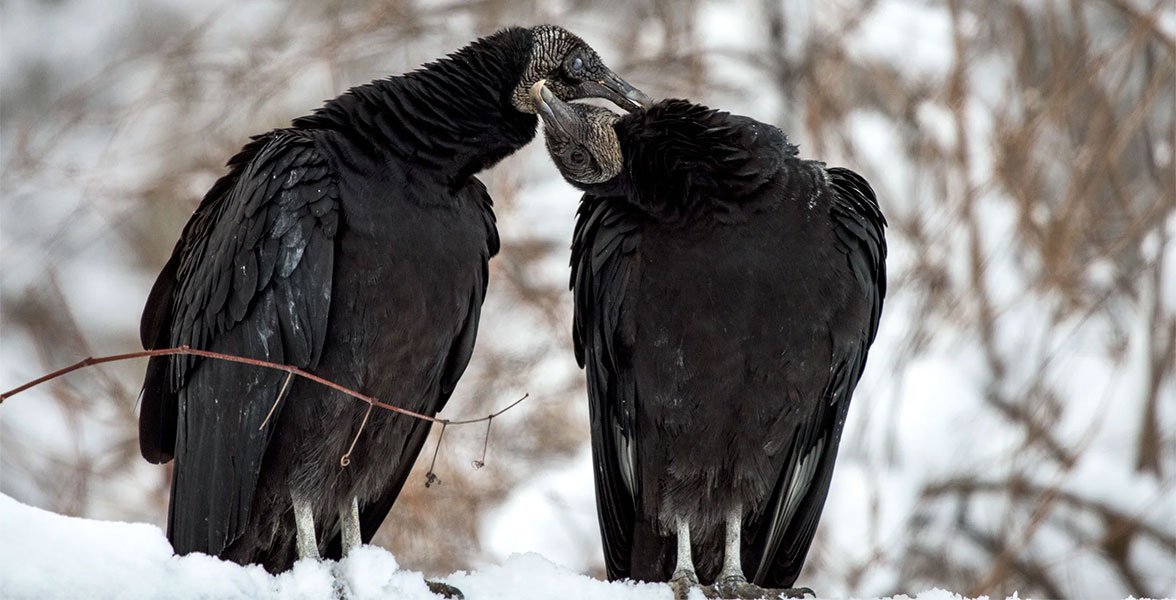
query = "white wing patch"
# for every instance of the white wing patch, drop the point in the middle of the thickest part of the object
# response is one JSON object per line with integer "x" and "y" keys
{"x": 798, "y": 485}
{"x": 626, "y": 454}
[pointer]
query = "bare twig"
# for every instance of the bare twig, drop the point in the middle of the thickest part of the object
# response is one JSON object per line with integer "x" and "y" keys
{"x": 481, "y": 462}
{"x": 90, "y": 361}
{"x": 346, "y": 458}
{"x": 431, "y": 476}
{"x": 278, "y": 400}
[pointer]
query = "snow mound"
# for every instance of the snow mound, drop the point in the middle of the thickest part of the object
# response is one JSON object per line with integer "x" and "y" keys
{"x": 46, "y": 555}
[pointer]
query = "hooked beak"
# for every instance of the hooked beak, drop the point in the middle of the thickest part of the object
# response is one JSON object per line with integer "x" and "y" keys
{"x": 612, "y": 87}
{"x": 554, "y": 112}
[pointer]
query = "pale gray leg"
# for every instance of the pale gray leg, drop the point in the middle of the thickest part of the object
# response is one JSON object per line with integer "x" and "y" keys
{"x": 349, "y": 522}
{"x": 731, "y": 582}
{"x": 305, "y": 539}
{"x": 732, "y": 573}
{"x": 684, "y": 575}
{"x": 684, "y": 570}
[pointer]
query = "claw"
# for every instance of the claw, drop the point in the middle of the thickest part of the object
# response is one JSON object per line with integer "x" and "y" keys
{"x": 732, "y": 588}
{"x": 444, "y": 589}
{"x": 681, "y": 584}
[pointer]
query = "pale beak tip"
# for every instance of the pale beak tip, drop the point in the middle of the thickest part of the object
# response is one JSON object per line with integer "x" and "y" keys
{"x": 538, "y": 89}
{"x": 640, "y": 98}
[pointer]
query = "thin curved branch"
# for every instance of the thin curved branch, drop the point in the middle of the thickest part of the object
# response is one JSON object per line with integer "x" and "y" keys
{"x": 91, "y": 361}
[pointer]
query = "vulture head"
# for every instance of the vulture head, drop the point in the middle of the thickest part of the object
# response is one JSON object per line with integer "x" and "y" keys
{"x": 671, "y": 160}
{"x": 581, "y": 138}
{"x": 572, "y": 70}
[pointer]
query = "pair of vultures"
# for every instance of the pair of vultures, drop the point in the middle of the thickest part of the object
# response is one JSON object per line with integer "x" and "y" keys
{"x": 726, "y": 295}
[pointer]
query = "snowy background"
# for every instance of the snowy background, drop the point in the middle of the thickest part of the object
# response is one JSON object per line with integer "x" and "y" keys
{"x": 1015, "y": 430}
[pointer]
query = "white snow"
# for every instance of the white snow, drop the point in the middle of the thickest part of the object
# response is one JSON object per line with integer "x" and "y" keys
{"x": 46, "y": 555}
{"x": 559, "y": 510}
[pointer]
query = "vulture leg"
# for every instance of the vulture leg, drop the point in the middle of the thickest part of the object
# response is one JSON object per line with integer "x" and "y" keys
{"x": 684, "y": 575}
{"x": 731, "y": 582}
{"x": 731, "y": 576}
{"x": 304, "y": 524}
{"x": 349, "y": 523}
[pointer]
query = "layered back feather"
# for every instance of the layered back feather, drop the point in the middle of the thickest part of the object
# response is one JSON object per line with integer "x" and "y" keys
{"x": 682, "y": 159}
{"x": 453, "y": 114}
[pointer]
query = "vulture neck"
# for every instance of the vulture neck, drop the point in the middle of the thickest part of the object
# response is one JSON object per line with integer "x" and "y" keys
{"x": 453, "y": 116}
{"x": 685, "y": 162}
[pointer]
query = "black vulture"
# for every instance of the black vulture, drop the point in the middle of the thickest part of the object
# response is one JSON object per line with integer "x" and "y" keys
{"x": 726, "y": 294}
{"x": 353, "y": 244}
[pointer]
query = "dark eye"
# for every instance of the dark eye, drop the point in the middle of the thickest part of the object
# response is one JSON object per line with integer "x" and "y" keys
{"x": 577, "y": 65}
{"x": 577, "y": 157}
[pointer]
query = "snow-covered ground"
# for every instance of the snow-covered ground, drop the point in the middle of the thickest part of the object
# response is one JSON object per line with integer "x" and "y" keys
{"x": 920, "y": 416}
{"x": 44, "y": 555}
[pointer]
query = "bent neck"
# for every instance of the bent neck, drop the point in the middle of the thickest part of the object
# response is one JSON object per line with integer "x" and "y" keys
{"x": 454, "y": 115}
{"x": 683, "y": 160}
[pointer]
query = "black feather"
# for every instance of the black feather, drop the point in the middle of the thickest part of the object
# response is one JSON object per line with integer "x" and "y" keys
{"x": 353, "y": 244}
{"x": 726, "y": 295}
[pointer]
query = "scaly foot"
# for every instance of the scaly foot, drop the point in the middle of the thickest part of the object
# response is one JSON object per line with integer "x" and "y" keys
{"x": 742, "y": 589}
{"x": 681, "y": 583}
{"x": 444, "y": 589}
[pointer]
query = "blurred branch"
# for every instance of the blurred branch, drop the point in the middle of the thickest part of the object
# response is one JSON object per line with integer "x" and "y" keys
{"x": 1022, "y": 487}
{"x": 1161, "y": 344}
{"x": 1146, "y": 20}
{"x": 1009, "y": 559}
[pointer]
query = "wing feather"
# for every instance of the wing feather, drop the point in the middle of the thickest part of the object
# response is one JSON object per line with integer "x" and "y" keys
{"x": 604, "y": 267}
{"x": 372, "y": 514}
{"x": 785, "y": 531}
{"x": 250, "y": 276}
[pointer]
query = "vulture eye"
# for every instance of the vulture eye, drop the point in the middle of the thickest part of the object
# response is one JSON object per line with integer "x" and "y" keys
{"x": 577, "y": 158}
{"x": 577, "y": 65}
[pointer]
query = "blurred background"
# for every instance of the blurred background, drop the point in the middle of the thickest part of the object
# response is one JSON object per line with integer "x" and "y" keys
{"x": 1015, "y": 429}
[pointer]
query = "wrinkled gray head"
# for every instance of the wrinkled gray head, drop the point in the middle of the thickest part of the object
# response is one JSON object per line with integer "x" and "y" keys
{"x": 572, "y": 70}
{"x": 580, "y": 138}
